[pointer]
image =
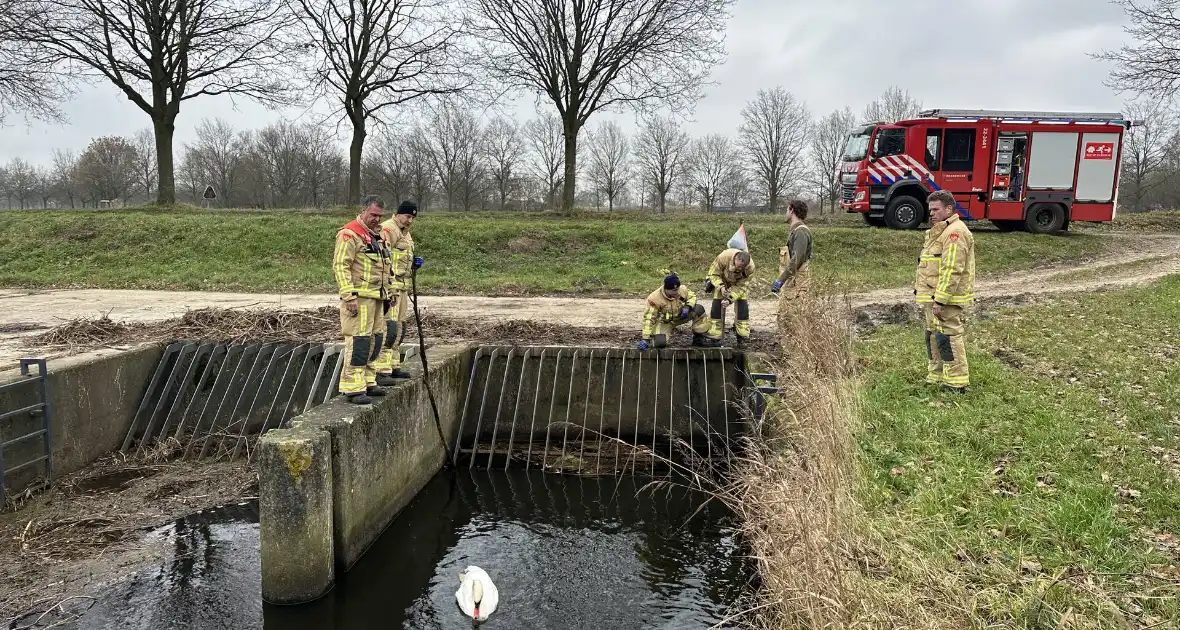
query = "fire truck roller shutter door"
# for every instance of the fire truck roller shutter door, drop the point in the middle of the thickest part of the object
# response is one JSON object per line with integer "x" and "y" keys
{"x": 1052, "y": 158}
{"x": 1097, "y": 168}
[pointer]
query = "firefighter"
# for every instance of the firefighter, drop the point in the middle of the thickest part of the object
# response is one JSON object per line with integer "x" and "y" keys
{"x": 396, "y": 232}
{"x": 794, "y": 272}
{"x": 944, "y": 288}
{"x": 361, "y": 265}
{"x": 728, "y": 281}
{"x": 668, "y": 308}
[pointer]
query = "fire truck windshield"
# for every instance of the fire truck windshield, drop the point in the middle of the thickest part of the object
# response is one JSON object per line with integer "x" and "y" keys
{"x": 889, "y": 142}
{"x": 858, "y": 146}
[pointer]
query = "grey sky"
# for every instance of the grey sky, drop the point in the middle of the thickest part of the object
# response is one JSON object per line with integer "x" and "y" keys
{"x": 995, "y": 54}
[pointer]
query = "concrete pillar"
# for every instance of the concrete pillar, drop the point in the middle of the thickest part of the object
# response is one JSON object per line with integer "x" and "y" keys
{"x": 295, "y": 515}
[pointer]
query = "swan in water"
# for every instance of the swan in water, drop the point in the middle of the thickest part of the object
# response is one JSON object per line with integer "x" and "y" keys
{"x": 477, "y": 596}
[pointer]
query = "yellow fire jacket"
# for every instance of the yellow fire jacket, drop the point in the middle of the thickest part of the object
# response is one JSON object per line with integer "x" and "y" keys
{"x": 660, "y": 308}
{"x": 360, "y": 263}
{"x": 946, "y": 266}
{"x": 401, "y": 251}
{"x": 723, "y": 274}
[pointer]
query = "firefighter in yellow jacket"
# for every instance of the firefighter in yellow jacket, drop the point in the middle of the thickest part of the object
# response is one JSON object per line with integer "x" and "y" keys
{"x": 360, "y": 264}
{"x": 729, "y": 282}
{"x": 944, "y": 288}
{"x": 396, "y": 234}
{"x": 669, "y": 308}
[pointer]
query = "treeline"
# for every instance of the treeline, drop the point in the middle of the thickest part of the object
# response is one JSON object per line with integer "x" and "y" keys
{"x": 452, "y": 158}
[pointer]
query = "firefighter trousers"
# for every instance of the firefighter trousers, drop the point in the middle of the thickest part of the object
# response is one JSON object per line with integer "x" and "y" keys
{"x": 395, "y": 331}
{"x": 790, "y": 295}
{"x": 741, "y": 320}
{"x": 946, "y": 347}
{"x": 362, "y": 343}
{"x": 661, "y": 330}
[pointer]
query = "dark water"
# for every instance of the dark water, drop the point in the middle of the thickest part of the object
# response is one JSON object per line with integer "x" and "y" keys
{"x": 565, "y": 552}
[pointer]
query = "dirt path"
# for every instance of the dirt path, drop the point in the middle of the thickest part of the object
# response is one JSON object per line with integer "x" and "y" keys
{"x": 1133, "y": 259}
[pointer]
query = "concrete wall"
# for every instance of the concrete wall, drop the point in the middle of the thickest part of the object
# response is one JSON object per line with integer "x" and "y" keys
{"x": 381, "y": 456}
{"x": 92, "y": 401}
{"x": 620, "y": 393}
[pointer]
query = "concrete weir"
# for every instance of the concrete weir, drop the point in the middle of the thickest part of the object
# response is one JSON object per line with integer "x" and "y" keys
{"x": 335, "y": 478}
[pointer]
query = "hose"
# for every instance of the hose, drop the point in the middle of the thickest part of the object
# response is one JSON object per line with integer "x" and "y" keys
{"x": 425, "y": 367}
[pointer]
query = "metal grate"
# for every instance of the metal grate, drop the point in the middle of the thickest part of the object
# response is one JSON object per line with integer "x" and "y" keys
{"x": 208, "y": 399}
{"x": 28, "y": 457}
{"x": 598, "y": 409}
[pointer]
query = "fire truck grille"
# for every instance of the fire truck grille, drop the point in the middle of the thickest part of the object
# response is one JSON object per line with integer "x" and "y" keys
{"x": 847, "y": 192}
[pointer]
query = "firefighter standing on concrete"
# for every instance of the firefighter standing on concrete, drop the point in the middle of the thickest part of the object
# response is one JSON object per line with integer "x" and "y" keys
{"x": 794, "y": 273}
{"x": 728, "y": 280}
{"x": 360, "y": 264}
{"x": 668, "y": 308}
{"x": 396, "y": 232}
{"x": 944, "y": 288}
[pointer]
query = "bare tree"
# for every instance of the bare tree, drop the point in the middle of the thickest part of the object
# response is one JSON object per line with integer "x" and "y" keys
{"x": 1146, "y": 146}
{"x": 712, "y": 158}
{"x": 421, "y": 170}
{"x": 27, "y": 81}
{"x": 22, "y": 182}
{"x": 660, "y": 150}
{"x": 504, "y": 148}
{"x": 216, "y": 158}
{"x": 161, "y": 53}
{"x": 736, "y": 185}
{"x": 324, "y": 173}
{"x": 107, "y": 169}
{"x": 281, "y": 149}
{"x": 455, "y": 151}
{"x": 65, "y": 176}
{"x": 893, "y": 105}
{"x": 828, "y": 137}
{"x": 1151, "y": 63}
{"x": 774, "y": 131}
{"x": 609, "y": 152}
{"x": 544, "y": 135}
{"x": 587, "y": 55}
{"x": 376, "y": 54}
{"x": 390, "y": 169}
{"x": 145, "y": 163}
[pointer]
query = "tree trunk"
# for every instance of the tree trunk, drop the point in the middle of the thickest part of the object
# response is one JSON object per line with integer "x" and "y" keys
{"x": 164, "y": 127}
{"x": 354, "y": 159}
{"x": 568, "y": 189}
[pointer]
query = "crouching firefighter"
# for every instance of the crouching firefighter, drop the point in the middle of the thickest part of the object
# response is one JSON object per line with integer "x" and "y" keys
{"x": 396, "y": 233}
{"x": 943, "y": 289}
{"x": 669, "y": 308}
{"x": 729, "y": 280}
{"x": 360, "y": 264}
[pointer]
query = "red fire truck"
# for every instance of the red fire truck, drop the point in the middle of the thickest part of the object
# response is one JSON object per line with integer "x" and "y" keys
{"x": 1020, "y": 170}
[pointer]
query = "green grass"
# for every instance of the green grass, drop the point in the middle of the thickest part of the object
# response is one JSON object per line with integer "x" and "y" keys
{"x": 1055, "y": 484}
{"x": 469, "y": 254}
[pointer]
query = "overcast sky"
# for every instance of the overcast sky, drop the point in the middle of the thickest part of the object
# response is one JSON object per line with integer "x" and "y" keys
{"x": 994, "y": 54}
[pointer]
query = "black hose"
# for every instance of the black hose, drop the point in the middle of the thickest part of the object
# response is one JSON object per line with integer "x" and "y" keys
{"x": 425, "y": 367}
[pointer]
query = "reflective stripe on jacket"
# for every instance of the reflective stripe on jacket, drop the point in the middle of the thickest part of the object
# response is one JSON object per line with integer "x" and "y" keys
{"x": 659, "y": 307}
{"x": 723, "y": 274}
{"x": 401, "y": 252}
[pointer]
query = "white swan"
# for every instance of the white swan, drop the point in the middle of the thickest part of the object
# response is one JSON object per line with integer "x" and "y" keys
{"x": 477, "y": 596}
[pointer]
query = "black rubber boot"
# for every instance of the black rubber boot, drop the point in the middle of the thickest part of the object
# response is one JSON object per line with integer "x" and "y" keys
{"x": 386, "y": 380}
{"x": 950, "y": 389}
{"x": 699, "y": 340}
{"x": 373, "y": 390}
{"x": 359, "y": 399}
{"x": 400, "y": 373}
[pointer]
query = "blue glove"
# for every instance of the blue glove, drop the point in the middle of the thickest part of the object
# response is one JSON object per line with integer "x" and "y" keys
{"x": 418, "y": 262}
{"x": 642, "y": 345}
{"x": 685, "y": 312}
{"x": 778, "y": 284}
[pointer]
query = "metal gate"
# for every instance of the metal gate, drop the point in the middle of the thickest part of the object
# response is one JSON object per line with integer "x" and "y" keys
{"x": 208, "y": 399}
{"x": 31, "y": 457}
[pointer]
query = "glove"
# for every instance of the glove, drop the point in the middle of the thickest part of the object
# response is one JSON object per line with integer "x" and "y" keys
{"x": 709, "y": 286}
{"x": 642, "y": 345}
{"x": 778, "y": 284}
{"x": 685, "y": 312}
{"x": 418, "y": 262}
{"x": 388, "y": 305}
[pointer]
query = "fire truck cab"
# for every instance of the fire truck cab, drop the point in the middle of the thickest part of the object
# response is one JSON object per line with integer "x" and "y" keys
{"x": 1037, "y": 171}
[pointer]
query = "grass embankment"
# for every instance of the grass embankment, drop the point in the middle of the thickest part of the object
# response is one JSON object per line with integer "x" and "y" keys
{"x": 488, "y": 253}
{"x": 1047, "y": 498}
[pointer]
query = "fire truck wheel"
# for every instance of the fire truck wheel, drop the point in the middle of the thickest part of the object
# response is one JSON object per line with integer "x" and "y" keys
{"x": 1045, "y": 218}
{"x": 905, "y": 213}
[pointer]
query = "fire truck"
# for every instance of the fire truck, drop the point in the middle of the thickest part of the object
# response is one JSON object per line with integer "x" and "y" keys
{"x": 1036, "y": 171}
